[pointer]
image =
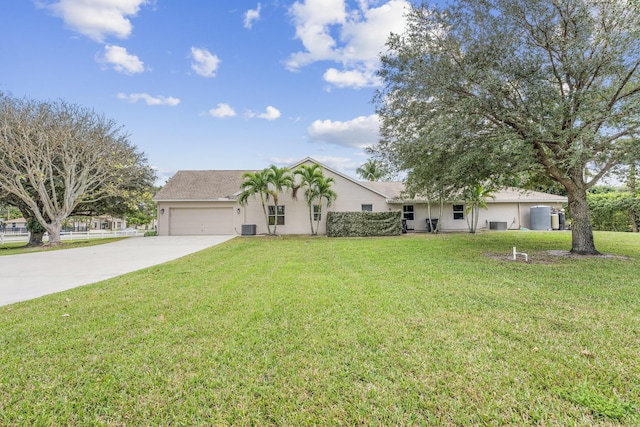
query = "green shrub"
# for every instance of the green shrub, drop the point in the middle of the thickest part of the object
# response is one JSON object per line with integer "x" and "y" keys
{"x": 612, "y": 211}
{"x": 150, "y": 233}
{"x": 364, "y": 224}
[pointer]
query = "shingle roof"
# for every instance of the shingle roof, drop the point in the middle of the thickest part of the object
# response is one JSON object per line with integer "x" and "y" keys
{"x": 202, "y": 185}
{"x": 393, "y": 190}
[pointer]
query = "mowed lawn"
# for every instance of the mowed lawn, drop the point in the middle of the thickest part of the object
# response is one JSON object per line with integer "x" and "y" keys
{"x": 412, "y": 330}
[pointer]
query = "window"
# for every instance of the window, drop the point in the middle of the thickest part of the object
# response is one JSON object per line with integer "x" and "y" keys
{"x": 407, "y": 212}
{"x": 317, "y": 213}
{"x": 367, "y": 208}
{"x": 458, "y": 211}
{"x": 276, "y": 215}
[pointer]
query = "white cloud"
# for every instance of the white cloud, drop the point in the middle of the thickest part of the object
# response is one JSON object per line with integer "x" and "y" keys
{"x": 272, "y": 113}
{"x": 352, "y": 78}
{"x": 251, "y": 15}
{"x": 121, "y": 60}
{"x": 354, "y": 39}
{"x": 149, "y": 100}
{"x": 98, "y": 19}
{"x": 223, "y": 110}
{"x": 313, "y": 20}
{"x": 204, "y": 63}
{"x": 357, "y": 133}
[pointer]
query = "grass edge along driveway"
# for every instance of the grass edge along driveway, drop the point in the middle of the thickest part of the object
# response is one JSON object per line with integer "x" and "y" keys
{"x": 411, "y": 330}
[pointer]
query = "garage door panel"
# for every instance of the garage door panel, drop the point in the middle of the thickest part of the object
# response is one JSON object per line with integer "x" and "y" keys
{"x": 200, "y": 221}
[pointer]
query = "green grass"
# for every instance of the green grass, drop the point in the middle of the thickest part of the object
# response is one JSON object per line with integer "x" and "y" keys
{"x": 414, "y": 330}
{"x": 15, "y": 248}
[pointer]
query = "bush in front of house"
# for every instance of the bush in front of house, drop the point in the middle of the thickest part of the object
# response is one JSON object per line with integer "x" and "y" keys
{"x": 364, "y": 224}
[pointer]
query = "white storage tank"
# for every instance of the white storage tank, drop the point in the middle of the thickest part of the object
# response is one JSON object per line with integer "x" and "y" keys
{"x": 555, "y": 221}
{"x": 540, "y": 217}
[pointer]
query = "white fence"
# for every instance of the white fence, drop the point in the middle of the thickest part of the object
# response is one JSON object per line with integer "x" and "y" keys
{"x": 73, "y": 235}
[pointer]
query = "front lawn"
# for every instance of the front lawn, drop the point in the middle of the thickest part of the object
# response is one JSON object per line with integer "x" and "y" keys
{"x": 413, "y": 330}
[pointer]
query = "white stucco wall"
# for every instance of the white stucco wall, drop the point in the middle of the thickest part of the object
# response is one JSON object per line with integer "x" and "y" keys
{"x": 515, "y": 214}
{"x": 351, "y": 197}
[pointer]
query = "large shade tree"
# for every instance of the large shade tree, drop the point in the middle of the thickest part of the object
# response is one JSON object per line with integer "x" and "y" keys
{"x": 59, "y": 159}
{"x": 504, "y": 89}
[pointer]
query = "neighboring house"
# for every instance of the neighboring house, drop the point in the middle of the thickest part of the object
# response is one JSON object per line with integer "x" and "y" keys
{"x": 16, "y": 225}
{"x": 103, "y": 222}
{"x": 206, "y": 203}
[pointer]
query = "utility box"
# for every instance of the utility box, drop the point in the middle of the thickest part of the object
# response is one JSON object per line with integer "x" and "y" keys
{"x": 248, "y": 229}
{"x": 540, "y": 217}
{"x": 497, "y": 225}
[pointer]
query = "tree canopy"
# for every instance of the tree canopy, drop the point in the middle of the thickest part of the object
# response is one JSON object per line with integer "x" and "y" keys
{"x": 59, "y": 159}
{"x": 511, "y": 91}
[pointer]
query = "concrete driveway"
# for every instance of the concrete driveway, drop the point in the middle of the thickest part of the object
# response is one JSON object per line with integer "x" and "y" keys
{"x": 27, "y": 276}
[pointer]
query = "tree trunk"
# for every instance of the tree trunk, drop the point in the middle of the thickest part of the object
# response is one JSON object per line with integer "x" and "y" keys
{"x": 581, "y": 231}
{"x": 54, "y": 235}
{"x": 311, "y": 219}
{"x": 266, "y": 216}
{"x": 318, "y": 220}
{"x": 35, "y": 238}
{"x": 632, "y": 191}
{"x": 440, "y": 214}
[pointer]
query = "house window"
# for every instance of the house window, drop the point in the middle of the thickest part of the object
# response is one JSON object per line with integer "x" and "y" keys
{"x": 317, "y": 213}
{"x": 458, "y": 211}
{"x": 276, "y": 215}
{"x": 407, "y": 212}
{"x": 367, "y": 208}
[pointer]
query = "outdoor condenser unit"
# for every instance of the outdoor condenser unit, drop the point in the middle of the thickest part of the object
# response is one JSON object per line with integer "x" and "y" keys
{"x": 248, "y": 229}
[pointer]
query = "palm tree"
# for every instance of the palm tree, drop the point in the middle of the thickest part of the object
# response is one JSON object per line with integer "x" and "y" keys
{"x": 309, "y": 176}
{"x": 280, "y": 179}
{"x": 322, "y": 190}
{"x": 256, "y": 184}
{"x": 372, "y": 170}
{"x": 476, "y": 197}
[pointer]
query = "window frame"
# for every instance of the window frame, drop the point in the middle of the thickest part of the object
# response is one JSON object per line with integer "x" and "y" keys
{"x": 364, "y": 209}
{"x": 458, "y": 214}
{"x": 408, "y": 214}
{"x": 317, "y": 212}
{"x": 276, "y": 214}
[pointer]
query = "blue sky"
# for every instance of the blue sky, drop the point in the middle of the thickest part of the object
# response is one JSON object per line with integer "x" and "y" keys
{"x": 210, "y": 84}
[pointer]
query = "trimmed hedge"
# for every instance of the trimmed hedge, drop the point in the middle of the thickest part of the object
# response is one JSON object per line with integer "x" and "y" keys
{"x": 364, "y": 224}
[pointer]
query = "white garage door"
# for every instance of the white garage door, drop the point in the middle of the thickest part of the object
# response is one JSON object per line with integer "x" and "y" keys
{"x": 200, "y": 221}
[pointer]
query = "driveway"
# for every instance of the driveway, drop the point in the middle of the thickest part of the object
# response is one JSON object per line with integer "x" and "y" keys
{"x": 27, "y": 276}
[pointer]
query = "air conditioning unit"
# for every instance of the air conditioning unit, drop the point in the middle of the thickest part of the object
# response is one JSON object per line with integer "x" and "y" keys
{"x": 248, "y": 229}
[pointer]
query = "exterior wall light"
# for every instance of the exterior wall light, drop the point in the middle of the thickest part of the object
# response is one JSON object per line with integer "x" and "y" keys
{"x": 162, "y": 211}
